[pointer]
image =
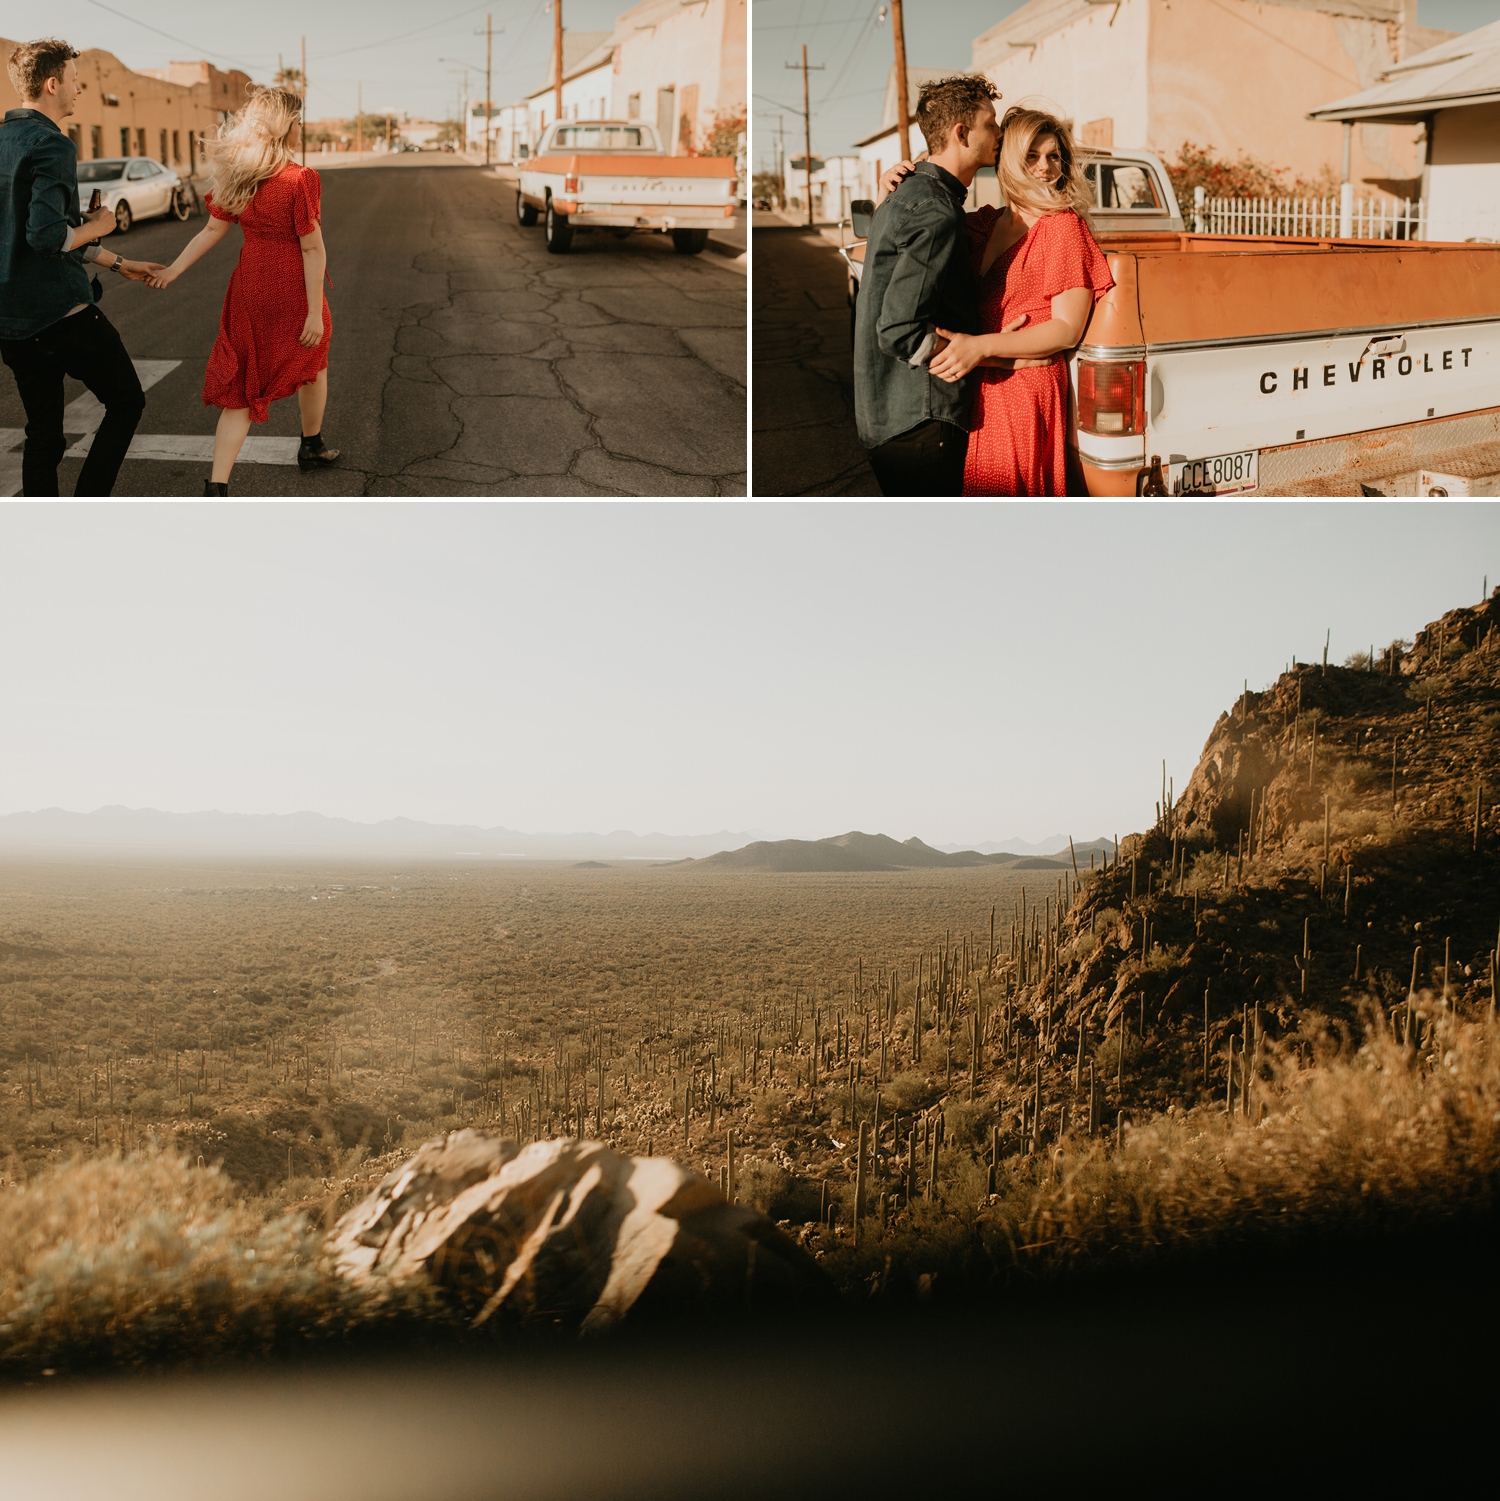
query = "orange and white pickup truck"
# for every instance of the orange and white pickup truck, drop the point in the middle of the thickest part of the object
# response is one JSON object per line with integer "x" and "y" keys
{"x": 1240, "y": 364}
{"x": 1223, "y": 365}
{"x": 611, "y": 174}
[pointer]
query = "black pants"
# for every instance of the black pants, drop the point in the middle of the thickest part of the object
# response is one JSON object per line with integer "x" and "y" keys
{"x": 925, "y": 460}
{"x": 87, "y": 347}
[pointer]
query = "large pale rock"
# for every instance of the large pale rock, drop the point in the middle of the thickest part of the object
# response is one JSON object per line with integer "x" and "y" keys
{"x": 569, "y": 1232}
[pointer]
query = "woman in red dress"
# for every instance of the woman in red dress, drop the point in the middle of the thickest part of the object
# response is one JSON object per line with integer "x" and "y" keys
{"x": 1039, "y": 274}
{"x": 275, "y": 329}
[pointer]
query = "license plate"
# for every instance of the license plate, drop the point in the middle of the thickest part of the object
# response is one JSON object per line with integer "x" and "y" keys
{"x": 1224, "y": 474}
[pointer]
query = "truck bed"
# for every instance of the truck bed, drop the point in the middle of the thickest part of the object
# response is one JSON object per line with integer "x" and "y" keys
{"x": 1214, "y": 289}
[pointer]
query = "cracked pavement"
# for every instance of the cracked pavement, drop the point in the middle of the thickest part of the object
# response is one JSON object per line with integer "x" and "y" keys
{"x": 805, "y": 442}
{"x": 465, "y": 359}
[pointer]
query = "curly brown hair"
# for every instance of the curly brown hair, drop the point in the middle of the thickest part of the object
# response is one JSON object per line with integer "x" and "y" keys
{"x": 948, "y": 102}
{"x": 33, "y": 63}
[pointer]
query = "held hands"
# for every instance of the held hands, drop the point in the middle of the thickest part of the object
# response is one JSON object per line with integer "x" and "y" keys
{"x": 312, "y": 331}
{"x": 159, "y": 277}
{"x": 141, "y": 271}
{"x": 962, "y": 352}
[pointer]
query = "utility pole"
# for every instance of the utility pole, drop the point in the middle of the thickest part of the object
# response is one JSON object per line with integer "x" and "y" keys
{"x": 557, "y": 33}
{"x": 487, "y": 89}
{"x": 903, "y": 106}
{"x": 359, "y": 124}
{"x": 781, "y": 159}
{"x": 304, "y": 101}
{"x": 806, "y": 127}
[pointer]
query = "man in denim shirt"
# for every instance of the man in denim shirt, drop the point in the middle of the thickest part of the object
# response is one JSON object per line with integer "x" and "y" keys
{"x": 917, "y": 279}
{"x": 49, "y": 326}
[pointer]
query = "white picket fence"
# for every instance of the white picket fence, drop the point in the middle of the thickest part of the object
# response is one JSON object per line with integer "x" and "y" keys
{"x": 1340, "y": 218}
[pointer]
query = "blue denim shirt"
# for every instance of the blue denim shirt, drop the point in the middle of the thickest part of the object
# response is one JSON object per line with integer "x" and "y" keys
{"x": 39, "y": 280}
{"x": 916, "y": 275}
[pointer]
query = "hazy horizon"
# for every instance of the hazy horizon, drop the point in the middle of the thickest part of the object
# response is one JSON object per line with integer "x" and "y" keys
{"x": 959, "y": 673}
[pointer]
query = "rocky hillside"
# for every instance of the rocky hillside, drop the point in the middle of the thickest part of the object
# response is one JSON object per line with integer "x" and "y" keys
{"x": 1338, "y": 842}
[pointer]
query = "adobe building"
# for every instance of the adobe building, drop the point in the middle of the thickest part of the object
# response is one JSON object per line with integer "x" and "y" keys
{"x": 1229, "y": 75}
{"x": 166, "y": 113}
{"x": 681, "y": 64}
{"x": 677, "y": 64}
{"x": 1450, "y": 94}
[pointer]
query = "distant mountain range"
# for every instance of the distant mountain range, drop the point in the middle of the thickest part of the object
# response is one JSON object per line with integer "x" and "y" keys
{"x": 278, "y": 836}
{"x": 55, "y": 833}
{"x": 1053, "y": 844}
{"x": 856, "y": 851}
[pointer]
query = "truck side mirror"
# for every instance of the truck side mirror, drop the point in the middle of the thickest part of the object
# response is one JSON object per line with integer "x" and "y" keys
{"x": 861, "y": 211}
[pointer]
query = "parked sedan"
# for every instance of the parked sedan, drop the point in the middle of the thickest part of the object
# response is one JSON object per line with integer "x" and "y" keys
{"x": 135, "y": 187}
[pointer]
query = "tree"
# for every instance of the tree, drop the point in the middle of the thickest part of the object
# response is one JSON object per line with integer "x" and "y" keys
{"x": 722, "y": 138}
{"x": 290, "y": 78}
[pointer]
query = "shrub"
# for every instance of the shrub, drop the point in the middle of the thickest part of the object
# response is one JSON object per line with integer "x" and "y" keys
{"x": 909, "y": 1092}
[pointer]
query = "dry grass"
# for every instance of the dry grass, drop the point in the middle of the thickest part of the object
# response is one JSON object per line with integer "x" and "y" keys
{"x": 1358, "y": 1140}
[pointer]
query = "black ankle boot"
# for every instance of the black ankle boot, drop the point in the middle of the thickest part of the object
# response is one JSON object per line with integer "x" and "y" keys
{"x": 313, "y": 454}
{"x": 213, "y": 487}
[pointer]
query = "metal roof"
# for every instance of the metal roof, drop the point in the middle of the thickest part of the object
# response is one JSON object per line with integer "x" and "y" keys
{"x": 1461, "y": 71}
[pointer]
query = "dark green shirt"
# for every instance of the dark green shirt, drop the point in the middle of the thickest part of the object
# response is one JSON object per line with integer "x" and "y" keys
{"x": 39, "y": 280}
{"x": 916, "y": 277}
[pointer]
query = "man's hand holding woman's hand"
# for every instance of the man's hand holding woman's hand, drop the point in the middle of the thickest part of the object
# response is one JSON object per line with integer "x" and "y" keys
{"x": 140, "y": 270}
{"x": 962, "y": 352}
{"x": 160, "y": 277}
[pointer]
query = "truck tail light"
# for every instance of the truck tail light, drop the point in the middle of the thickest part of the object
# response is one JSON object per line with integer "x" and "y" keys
{"x": 1112, "y": 396}
{"x": 570, "y": 183}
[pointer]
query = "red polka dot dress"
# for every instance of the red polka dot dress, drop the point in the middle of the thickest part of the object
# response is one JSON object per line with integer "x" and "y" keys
{"x": 1018, "y": 435}
{"x": 256, "y": 359}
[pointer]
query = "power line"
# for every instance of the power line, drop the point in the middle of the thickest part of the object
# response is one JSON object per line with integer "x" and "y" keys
{"x": 401, "y": 37}
{"x": 192, "y": 46}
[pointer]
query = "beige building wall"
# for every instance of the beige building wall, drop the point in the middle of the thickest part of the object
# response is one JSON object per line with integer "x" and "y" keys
{"x": 1463, "y": 196}
{"x": 1229, "y": 75}
{"x": 678, "y": 65}
{"x": 125, "y": 113}
{"x": 1087, "y": 70}
{"x": 1240, "y": 75}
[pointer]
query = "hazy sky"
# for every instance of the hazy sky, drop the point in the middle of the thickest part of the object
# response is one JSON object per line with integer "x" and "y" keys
{"x": 956, "y": 672}
{"x": 395, "y": 48}
{"x": 855, "y": 48}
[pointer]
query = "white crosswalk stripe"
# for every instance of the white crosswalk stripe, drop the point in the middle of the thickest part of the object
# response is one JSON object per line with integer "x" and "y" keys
{"x": 81, "y": 418}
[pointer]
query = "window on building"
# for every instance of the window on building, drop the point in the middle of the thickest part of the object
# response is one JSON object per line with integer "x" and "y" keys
{"x": 75, "y": 134}
{"x": 140, "y": 141}
{"x": 124, "y": 140}
{"x": 96, "y": 141}
{"x": 162, "y": 157}
{"x": 633, "y": 107}
{"x": 176, "y": 146}
{"x": 113, "y": 100}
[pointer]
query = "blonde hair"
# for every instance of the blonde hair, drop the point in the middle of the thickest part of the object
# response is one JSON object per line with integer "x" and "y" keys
{"x": 1019, "y": 129}
{"x": 252, "y": 148}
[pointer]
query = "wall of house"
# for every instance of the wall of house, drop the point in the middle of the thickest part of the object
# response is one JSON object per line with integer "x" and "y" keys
{"x": 1092, "y": 71}
{"x": 1464, "y": 182}
{"x": 586, "y": 97}
{"x": 149, "y": 115}
{"x": 680, "y": 64}
{"x": 1239, "y": 75}
{"x": 1233, "y": 76}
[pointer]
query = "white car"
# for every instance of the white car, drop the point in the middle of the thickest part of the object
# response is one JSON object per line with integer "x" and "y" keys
{"x": 135, "y": 187}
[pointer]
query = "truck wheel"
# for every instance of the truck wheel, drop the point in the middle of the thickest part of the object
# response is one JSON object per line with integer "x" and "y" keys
{"x": 558, "y": 231}
{"x": 123, "y": 218}
{"x": 524, "y": 211}
{"x": 853, "y": 307}
{"x": 689, "y": 241}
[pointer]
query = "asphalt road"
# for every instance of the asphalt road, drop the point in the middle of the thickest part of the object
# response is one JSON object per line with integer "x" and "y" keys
{"x": 465, "y": 359}
{"x": 804, "y": 437}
